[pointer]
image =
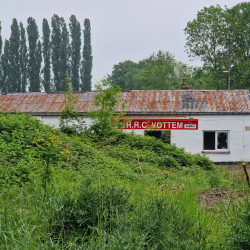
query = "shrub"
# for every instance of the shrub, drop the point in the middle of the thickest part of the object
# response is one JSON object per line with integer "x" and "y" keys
{"x": 93, "y": 207}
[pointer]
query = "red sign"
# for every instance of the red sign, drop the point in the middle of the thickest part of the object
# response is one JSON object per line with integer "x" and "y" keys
{"x": 160, "y": 124}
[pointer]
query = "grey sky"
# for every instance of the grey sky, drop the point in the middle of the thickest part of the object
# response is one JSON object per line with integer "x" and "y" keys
{"x": 121, "y": 29}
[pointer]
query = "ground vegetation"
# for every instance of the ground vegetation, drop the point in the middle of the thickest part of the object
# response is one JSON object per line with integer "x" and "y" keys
{"x": 90, "y": 191}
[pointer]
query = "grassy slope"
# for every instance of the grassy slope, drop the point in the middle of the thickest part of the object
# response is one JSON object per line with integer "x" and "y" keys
{"x": 119, "y": 192}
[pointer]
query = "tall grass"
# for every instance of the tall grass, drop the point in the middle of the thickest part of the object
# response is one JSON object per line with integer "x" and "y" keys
{"x": 104, "y": 217}
{"x": 101, "y": 197}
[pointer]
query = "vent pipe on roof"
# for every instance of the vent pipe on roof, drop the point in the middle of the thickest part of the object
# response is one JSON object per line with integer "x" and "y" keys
{"x": 184, "y": 86}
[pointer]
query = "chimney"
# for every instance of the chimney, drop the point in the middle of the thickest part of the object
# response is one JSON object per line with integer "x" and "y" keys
{"x": 184, "y": 86}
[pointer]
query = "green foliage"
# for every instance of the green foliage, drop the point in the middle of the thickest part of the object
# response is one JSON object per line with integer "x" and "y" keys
{"x": 17, "y": 131}
{"x": 1, "y": 40}
{"x": 49, "y": 151}
{"x": 86, "y": 57}
{"x": 60, "y": 52}
{"x": 239, "y": 225}
{"x": 35, "y": 56}
{"x": 14, "y": 76}
{"x": 5, "y": 66}
{"x": 69, "y": 119}
{"x": 212, "y": 47}
{"x": 125, "y": 75}
{"x": 46, "y": 50}
{"x": 113, "y": 208}
{"x": 75, "y": 33}
{"x": 92, "y": 207}
{"x": 158, "y": 71}
{"x": 1, "y": 50}
{"x": 23, "y": 58}
{"x": 208, "y": 46}
{"x": 106, "y": 101}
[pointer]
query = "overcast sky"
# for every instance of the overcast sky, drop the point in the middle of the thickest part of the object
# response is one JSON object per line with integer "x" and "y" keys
{"x": 121, "y": 29}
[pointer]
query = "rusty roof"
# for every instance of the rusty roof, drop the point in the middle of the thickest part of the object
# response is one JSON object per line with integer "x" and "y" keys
{"x": 137, "y": 102}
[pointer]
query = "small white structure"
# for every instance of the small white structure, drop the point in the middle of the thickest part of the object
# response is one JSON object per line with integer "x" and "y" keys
{"x": 223, "y": 117}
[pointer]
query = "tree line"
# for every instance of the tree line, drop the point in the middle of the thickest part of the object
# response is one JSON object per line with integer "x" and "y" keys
{"x": 28, "y": 63}
{"x": 158, "y": 71}
{"x": 218, "y": 36}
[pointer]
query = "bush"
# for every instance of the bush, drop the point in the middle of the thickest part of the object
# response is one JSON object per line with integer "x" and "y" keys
{"x": 93, "y": 207}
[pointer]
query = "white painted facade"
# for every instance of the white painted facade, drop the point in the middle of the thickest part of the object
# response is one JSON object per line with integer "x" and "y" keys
{"x": 237, "y": 126}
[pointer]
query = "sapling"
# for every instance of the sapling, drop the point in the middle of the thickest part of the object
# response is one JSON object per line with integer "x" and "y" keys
{"x": 50, "y": 152}
{"x": 106, "y": 100}
{"x": 69, "y": 118}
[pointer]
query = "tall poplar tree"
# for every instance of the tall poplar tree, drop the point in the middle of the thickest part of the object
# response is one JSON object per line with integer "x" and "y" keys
{"x": 14, "y": 58}
{"x": 35, "y": 57}
{"x": 1, "y": 45}
{"x": 60, "y": 52}
{"x": 5, "y": 83}
{"x": 87, "y": 57}
{"x": 46, "y": 50}
{"x": 23, "y": 58}
{"x": 1, "y": 41}
{"x": 65, "y": 51}
{"x": 75, "y": 33}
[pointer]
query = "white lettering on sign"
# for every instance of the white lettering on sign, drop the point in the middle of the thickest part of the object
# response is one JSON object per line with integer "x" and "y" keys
{"x": 179, "y": 124}
{"x": 128, "y": 124}
{"x": 159, "y": 124}
{"x": 144, "y": 126}
{"x": 162, "y": 124}
{"x": 166, "y": 123}
{"x": 190, "y": 126}
{"x": 136, "y": 124}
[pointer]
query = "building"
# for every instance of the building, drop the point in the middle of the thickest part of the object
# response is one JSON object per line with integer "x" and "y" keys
{"x": 215, "y": 123}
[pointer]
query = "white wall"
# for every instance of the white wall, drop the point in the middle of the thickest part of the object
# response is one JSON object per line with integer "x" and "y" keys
{"x": 239, "y": 139}
{"x": 54, "y": 120}
{"x": 192, "y": 140}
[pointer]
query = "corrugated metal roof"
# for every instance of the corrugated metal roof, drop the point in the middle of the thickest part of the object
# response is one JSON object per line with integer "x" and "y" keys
{"x": 138, "y": 101}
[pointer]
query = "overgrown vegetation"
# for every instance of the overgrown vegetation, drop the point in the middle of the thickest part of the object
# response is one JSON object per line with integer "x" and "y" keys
{"x": 97, "y": 198}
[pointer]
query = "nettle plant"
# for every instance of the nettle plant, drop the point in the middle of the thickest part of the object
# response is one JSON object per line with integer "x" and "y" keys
{"x": 50, "y": 152}
{"x": 106, "y": 100}
{"x": 69, "y": 118}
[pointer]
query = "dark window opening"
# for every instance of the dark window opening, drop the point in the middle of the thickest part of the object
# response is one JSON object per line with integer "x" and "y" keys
{"x": 156, "y": 134}
{"x": 209, "y": 141}
{"x": 165, "y": 135}
{"x": 222, "y": 140}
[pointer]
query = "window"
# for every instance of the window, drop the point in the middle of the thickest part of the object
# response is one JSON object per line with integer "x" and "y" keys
{"x": 164, "y": 135}
{"x": 215, "y": 140}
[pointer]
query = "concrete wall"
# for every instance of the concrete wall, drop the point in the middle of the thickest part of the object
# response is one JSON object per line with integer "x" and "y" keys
{"x": 192, "y": 140}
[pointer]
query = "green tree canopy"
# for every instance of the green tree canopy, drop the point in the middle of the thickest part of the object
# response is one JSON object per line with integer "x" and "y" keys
{"x": 158, "y": 71}
{"x": 14, "y": 58}
{"x": 23, "y": 58}
{"x": 46, "y": 50}
{"x": 125, "y": 75}
{"x": 35, "y": 56}
{"x": 75, "y": 33}
{"x": 86, "y": 57}
{"x": 206, "y": 39}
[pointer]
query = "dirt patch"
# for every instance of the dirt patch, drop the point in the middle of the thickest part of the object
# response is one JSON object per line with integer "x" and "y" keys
{"x": 218, "y": 196}
{"x": 235, "y": 168}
